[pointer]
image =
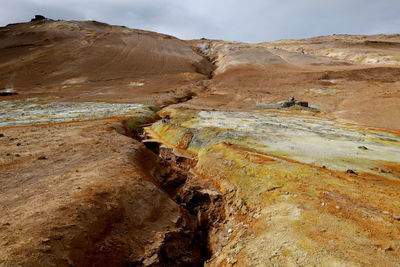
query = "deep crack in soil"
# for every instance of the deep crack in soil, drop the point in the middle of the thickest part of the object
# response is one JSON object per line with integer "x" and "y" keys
{"x": 200, "y": 202}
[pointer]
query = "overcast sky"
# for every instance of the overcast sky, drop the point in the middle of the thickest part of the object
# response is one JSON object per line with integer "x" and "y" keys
{"x": 236, "y": 20}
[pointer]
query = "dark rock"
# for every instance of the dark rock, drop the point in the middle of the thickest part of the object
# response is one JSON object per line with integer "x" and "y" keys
{"x": 9, "y": 90}
{"x": 293, "y": 102}
{"x": 2, "y": 135}
{"x": 288, "y": 103}
{"x": 349, "y": 171}
{"x": 38, "y": 18}
{"x": 384, "y": 171}
{"x": 42, "y": 157}
{"x": 363, "y": 147}
{"x": 4, "y": 93}
{"x": 302, "y": 103}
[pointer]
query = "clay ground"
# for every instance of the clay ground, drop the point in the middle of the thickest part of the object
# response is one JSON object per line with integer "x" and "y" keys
{"x": 79, "y": 198}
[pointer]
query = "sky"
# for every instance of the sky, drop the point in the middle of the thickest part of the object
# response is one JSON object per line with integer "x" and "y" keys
{"x": 234, "y": 20}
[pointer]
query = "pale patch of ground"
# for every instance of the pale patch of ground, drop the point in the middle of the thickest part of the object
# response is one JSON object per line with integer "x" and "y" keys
{"x": 26, "y": 112}
{"x": 299, "y": 190}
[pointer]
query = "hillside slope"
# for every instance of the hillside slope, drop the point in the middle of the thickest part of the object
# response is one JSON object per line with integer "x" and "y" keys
{"x": 78, "y": 61}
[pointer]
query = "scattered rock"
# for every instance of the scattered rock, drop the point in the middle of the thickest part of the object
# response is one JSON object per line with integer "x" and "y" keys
{"x": 38, "y": 18}
{"x": 42, "y": 158}
{"x": 349, "y": 171}
{"x": 257, "y": 215}
{"x": 286, "y": 104}
{"x": 293, "y": 102}
{"x": 152, "y": 261}
{"x": 363, "y": 147}
{"x": 233, "y": 260}
{"x": 383, "y": 170}
{"x": 389, "y": 248}
{"x": 136, "y": 83}
{"x": 302, "y": 103}
{"x": 45, "y": 240}
{"x": 8, "y": 91}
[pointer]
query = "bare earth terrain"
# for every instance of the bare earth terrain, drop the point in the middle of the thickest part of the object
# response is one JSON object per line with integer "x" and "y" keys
{"x": 122, "y": 147}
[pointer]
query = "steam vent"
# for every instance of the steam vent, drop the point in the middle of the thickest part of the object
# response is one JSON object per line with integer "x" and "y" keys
{"x": 125, "y": 147}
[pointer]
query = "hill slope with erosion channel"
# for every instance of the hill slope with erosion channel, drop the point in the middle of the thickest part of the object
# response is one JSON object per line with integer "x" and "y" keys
{"x": 122, "y": 147}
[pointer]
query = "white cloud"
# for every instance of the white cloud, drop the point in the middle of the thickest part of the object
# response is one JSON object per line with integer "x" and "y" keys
{"x": 251, "y": 20}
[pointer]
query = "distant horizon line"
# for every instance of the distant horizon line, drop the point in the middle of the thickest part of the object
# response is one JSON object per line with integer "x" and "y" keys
{"x": 211, "y": 39}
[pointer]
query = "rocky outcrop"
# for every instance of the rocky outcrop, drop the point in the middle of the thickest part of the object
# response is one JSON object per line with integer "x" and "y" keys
{"x": 38, "y": 18}
{"x": 8, "y": 91}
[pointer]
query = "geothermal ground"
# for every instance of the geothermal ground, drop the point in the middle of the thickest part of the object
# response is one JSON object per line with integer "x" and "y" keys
{"x": 122, "y": 147}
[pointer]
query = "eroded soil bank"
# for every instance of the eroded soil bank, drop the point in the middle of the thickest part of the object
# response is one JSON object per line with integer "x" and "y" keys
{"x": 199, "y": 200}
{"x": 107, "y": 200}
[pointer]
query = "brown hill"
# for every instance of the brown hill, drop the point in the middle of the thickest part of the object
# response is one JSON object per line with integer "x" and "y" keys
{"x": 79, "y": 61}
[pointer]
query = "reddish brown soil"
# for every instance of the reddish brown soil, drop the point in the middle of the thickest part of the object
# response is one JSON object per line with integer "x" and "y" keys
{"x": 84, "y": 195}
{"x": 90, "y": 61}
{"x": 365, "y": 95}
